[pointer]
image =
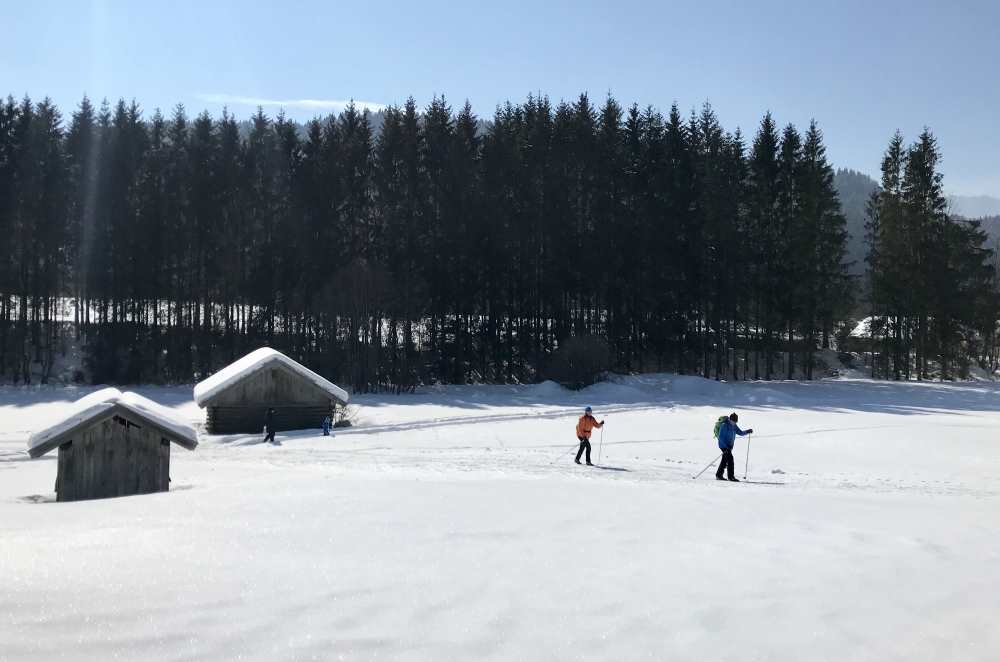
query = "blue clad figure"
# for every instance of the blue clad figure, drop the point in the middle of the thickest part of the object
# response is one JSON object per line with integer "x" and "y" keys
{"x": 728, "y": 430}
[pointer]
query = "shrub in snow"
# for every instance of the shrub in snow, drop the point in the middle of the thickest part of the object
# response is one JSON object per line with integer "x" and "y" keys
{"x": 345, "y": 416}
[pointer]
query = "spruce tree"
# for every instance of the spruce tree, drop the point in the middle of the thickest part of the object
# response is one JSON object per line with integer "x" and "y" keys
{"x": 764, "y": 235}
{"x": 824, "y": 240}
{"x": 9, "y": 121}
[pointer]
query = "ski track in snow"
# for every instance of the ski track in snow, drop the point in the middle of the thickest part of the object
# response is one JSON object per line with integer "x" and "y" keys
{"x": 453, "y": 524}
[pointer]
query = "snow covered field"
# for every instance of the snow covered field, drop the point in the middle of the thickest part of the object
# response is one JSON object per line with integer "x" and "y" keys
{"x": 446, "y": 526}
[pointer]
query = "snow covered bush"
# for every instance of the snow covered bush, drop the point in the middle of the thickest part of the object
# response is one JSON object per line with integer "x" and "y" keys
{"x": 345, "y": 417}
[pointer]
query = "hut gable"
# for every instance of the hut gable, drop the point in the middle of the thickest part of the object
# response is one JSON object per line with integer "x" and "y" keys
{"x": 275, "y": 384}
{"x": 266, "y": 376}
{"x": 239, "y": 396}
{"x": 107, "y": 404}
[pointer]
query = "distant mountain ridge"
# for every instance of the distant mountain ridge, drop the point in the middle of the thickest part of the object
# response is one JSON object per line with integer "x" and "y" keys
{"x": 854, "y": 188}
{"x": 974, "y": 206}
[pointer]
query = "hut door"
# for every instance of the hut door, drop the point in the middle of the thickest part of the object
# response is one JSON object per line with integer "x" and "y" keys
{"x": 137, "y": 461}
{"x": 121, "y": 464}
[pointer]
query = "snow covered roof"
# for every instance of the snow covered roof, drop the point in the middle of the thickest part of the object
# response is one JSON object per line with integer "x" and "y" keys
{"x": 104, "y": 404}
{"x": 253, "y": 362}
{"x": 862, "y": 329}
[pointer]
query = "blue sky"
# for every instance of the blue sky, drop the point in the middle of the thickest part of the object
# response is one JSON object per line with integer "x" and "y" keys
{"x": 861, "y": 69}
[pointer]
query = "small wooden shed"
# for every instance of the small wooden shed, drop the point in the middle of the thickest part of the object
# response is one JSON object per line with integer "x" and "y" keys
{"x": 112, "y": 444}
{"x": 238, "y": 396}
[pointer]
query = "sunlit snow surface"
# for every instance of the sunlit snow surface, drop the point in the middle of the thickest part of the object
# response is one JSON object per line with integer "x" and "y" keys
{"x": 453, "y": 525}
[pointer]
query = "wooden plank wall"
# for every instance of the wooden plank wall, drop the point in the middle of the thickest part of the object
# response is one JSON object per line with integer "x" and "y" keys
{"x": 249, "y": 419}
{"x": 163, "y": 467}
{"x": 110, "y": 459}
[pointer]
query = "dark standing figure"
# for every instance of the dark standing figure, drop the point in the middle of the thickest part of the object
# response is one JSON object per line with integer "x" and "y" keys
{"x": 584, "y": 426}
{"x": 269, "y": 426}
{"x": 727, "y": 439}
{"x": 327, "y": 424}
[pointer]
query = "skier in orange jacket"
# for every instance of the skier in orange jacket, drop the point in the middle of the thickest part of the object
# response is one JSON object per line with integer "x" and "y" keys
{"x": 584, "y": 426}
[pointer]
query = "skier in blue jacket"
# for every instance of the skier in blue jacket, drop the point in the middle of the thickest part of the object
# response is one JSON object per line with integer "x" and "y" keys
{"x": 727, "y": 439}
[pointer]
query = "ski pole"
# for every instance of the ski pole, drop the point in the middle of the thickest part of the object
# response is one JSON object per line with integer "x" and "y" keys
{"x": 707, "y": 466}
{"x": 747, "y": 466}
{"x": 567, "y": 452}
{"x": 600, "y": 446}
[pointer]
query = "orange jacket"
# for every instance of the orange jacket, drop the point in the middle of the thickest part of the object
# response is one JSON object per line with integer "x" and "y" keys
{"x": 585, "y": 425}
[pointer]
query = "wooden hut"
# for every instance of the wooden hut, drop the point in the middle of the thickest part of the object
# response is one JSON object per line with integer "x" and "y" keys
{"x": 112, "y": 444}
{"x": 238, "y": 396}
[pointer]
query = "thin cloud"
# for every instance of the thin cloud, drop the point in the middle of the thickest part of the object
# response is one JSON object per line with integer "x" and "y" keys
{"x": 332, "y": 105}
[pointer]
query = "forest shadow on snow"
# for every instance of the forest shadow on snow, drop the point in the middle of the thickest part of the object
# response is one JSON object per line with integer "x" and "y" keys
{"x": 625, "y": 393}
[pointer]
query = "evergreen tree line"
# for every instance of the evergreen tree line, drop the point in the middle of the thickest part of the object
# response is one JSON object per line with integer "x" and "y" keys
{"x": 440, "y": 248}
{"x": 932, "y": 279}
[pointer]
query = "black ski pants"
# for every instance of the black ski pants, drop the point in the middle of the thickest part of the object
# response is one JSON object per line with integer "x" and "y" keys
{"x": 726, "y": 464}
{"x": 584, "y": 446}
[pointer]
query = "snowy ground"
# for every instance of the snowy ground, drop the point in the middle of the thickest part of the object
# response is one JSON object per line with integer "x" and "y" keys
{"x": 446, "y": 526}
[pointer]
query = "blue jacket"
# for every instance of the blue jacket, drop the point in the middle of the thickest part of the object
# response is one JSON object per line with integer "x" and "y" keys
{"x": 727, "y": 435}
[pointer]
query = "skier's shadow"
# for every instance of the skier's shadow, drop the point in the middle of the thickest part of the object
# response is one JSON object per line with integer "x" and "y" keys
{"x": 597, "y": 466}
